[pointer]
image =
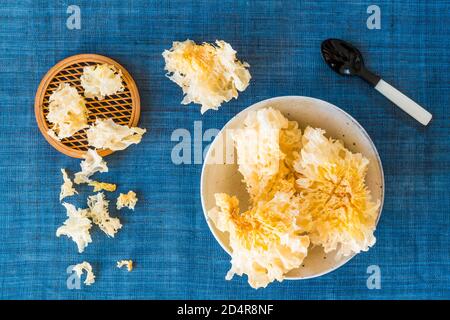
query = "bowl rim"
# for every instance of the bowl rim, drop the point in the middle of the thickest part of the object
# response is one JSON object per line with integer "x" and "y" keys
{"x": 274, "y": 99}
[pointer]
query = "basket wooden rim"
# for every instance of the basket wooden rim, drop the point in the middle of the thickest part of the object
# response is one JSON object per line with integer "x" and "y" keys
{"x": 46, "y": 80}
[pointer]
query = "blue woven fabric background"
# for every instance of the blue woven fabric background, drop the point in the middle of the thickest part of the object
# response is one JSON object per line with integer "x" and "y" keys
{"x": 176, "y": 255}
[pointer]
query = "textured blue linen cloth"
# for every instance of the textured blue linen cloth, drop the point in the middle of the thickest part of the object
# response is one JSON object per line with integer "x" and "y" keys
{"x": 176, "y": 255}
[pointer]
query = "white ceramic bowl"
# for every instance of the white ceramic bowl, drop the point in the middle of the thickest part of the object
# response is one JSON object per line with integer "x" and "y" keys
{"x": 221, "y": 177}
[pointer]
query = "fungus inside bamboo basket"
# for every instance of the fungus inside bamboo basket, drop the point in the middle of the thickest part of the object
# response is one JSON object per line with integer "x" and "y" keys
{"x": 123, "y": 107}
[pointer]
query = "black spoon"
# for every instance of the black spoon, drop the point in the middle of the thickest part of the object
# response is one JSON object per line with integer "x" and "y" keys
{"x": 346, "y": 60}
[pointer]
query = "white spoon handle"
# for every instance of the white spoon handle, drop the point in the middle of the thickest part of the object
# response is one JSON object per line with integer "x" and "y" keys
{"x": 403, "y": 102}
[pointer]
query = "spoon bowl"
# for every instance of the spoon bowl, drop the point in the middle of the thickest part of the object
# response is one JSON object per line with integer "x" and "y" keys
{"x": 342, "y": 57}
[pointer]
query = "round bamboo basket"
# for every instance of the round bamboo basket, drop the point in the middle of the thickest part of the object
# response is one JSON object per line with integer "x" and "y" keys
{"x": 123, "y": 107}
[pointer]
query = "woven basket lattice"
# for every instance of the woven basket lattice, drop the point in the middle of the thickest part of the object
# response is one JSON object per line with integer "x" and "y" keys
{"x": 123, "y": 108}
